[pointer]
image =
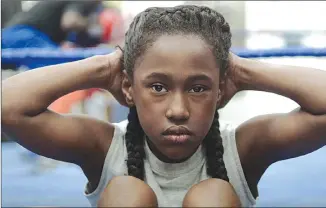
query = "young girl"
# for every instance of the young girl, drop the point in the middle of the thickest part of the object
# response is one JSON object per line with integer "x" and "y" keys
{"x": 176, "y": 73}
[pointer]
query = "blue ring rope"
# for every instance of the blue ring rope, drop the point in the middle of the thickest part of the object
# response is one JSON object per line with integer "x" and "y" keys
{"x": 35, "y": 57}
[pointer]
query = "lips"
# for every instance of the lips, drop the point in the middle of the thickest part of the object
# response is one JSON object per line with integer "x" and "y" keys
{"x": 177, "y": 130}
{"x": 177, "y": 134}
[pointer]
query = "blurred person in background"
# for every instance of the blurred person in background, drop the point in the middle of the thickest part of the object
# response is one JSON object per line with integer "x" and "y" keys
{"x": 48, "y": 24}
{"x": 112, "y": 24}
{"x": 9, "y": 9}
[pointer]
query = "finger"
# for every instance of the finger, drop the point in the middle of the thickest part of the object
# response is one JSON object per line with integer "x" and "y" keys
{"x": 116, "y": 60}
{"x": 116, "y": 54}
{"x": 117, "y": 47}
{"x": 119, "y": 51}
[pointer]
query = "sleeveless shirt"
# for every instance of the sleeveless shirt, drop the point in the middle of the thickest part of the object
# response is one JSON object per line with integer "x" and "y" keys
{"x": 170, "y": 182}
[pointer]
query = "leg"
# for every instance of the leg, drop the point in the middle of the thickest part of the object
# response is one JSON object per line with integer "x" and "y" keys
{"x": 127, "y": 191}
{"x": 211, "y": 193}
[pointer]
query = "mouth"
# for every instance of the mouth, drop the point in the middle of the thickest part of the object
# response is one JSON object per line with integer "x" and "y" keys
{"x": 177, "y": 134}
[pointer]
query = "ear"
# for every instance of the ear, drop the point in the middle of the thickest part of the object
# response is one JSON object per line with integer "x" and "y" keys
{"x": 127, "y": 89}
{"x": 221, "y": 93}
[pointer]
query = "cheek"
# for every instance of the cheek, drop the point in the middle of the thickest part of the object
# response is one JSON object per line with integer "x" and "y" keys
{"x": 202, "y": 115}
{"x": 150, "y": 112}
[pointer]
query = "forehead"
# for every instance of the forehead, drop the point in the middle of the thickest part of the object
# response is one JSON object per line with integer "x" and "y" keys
{"x": 178, "y": 53}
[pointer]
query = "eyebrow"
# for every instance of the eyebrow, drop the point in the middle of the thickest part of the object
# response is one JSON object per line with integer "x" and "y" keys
{"x": 157, "y": 75}
{"x": 190, "y": 78}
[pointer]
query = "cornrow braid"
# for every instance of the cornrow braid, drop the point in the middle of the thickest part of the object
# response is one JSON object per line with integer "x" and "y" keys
{"x": 135, "y": 145}
{"x": 214, "y": 151}
{"x": 145, "y": 29}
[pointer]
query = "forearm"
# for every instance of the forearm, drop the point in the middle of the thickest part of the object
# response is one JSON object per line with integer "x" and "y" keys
{"x": 30, "y": 93}
{"x": 306, "y": 86}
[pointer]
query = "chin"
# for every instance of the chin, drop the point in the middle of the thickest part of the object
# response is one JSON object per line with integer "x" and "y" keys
{"x": 177, "y": 155}
{"x": 172, "y": 153}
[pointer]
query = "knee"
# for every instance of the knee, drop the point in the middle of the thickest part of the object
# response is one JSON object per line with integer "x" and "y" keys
{"x": 127, "y": 191}
{"x": 212, "y": 193}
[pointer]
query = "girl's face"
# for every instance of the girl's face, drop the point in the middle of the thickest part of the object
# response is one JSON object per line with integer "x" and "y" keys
{"x": 175, "y": 89}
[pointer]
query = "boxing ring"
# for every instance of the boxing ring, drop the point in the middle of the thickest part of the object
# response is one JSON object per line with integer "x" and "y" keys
{"x": 295, "y": 182}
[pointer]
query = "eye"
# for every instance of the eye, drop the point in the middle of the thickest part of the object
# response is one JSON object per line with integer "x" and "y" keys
{"x": 197, "y": 89}
{"x": 158, "y": 88}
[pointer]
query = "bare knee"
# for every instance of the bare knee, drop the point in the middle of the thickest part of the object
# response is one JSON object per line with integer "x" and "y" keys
{"x": 212, "y": 193}
{"x": 127, "y": 191}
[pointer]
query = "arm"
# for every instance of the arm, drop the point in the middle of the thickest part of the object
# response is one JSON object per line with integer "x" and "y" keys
{"x": 77, "y": 139}
{"x": 277, "y": 137}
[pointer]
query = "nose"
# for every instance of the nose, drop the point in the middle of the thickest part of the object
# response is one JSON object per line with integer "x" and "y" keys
{"x": 178, "y": 108}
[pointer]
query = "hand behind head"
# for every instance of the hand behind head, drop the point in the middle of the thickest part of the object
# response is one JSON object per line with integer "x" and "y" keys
{"x": 115, "y": 66}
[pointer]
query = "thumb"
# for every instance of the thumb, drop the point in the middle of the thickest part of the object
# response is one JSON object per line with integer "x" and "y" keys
{"x": 118, "y": 51}
{"x": 116, "y": 60}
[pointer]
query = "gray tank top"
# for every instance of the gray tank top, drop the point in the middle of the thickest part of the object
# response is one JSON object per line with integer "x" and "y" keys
{"x": 171, "y": 182}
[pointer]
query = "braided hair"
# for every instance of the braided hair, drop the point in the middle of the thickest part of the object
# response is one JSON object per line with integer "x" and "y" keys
{"x": 145, "y": 29}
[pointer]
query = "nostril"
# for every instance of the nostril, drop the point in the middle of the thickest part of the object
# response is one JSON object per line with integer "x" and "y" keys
{"x": 177, "y": 115}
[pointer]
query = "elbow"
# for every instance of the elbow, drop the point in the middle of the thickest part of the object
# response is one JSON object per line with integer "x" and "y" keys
{"x": 9, "y": 116}
{"x": 9, "y": 120}
{"x": 9, "y": 110}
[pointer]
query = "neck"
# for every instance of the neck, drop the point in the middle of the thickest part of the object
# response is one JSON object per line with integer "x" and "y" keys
{"x": 163, "y": 157}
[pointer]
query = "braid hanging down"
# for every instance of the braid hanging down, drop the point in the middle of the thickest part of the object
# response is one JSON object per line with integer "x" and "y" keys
{"x": 214, "y": 151}
{"x": 135, "y": 145}
{"x": 143, "y": 31}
